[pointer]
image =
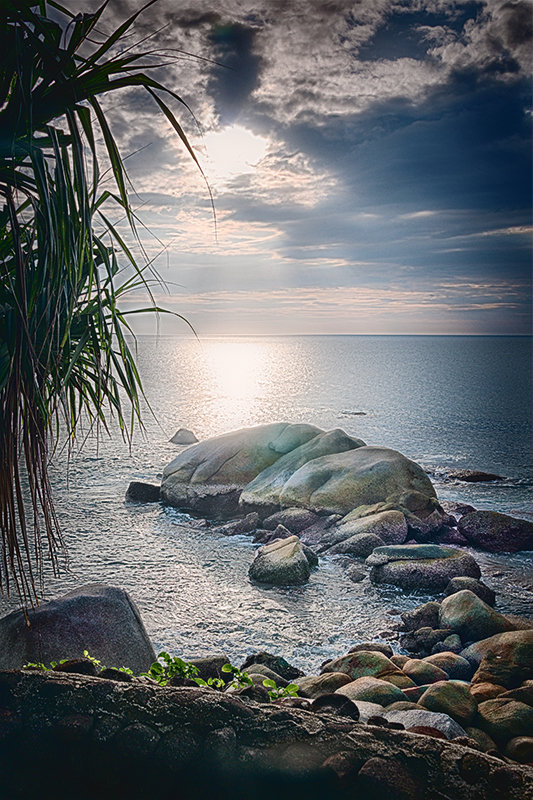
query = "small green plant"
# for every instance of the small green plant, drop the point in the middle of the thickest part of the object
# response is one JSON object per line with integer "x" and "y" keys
{"x": 53, "y": 664}
{"x": 240, "y": 679}
{"x": 37, "y": 665}
{"x": 275, "y": 691}
{"x": 167, "y": 667}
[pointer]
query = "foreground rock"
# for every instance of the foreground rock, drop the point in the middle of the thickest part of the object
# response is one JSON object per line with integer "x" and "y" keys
{"x": 421, "y": 566}
{"x": 497, "y": 532}
{"x": 282, "y": 563}
{"x": 101, "y": 619}
{"x": 112, "y": 740}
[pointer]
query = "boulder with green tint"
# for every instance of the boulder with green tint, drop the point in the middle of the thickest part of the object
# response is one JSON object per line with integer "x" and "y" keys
{"x": 457, "y": 667}
{"x": 209, "y": 477}
{"x": 369, "y": 663}
{"x": 452, "y": 698}
{"x": 371, "y": 690}
{"x": 466, "y": 614}
{"x": 423, "y": 672}
{"x": 338, "y": 483}
{"x": 312, "y": 686}
{"x": 390, "y": 526}
{"x": 360, "y": 546}
{"x": 513, "y": 649}
{"x": 265, "y": 490}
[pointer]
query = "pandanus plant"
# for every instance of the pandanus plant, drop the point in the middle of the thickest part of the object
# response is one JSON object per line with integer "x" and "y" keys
{"x": 64, "y": 354}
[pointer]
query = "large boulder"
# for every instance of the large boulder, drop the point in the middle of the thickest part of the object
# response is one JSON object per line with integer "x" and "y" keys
{"x": 412, "y": 718}
{"x": 466, "y": 614}
{"x": 101, "y": 619}
{"x": 312, "y": 686}
{"x": 503, "y": 719}
{"x": 514, "y": 649}
{"x": 282, "y": 563}
{"x": 372, "y": 690}
{"x": 496, "y": 532}
{"x": 420, "y": 566}
{"x": 340, "y": 482}
{"x": 294, "y": 519}
{"x": 265, "y": 491}
{"x": 209, "y": 477}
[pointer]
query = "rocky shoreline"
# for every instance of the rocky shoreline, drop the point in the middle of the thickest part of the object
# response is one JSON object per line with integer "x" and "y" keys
{"x": 446, "y": 714}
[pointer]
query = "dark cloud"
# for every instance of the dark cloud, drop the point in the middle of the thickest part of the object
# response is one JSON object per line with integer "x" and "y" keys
{"x": 231, "y": 85}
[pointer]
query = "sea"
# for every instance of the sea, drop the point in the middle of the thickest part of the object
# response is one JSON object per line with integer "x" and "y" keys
{"x": 447, "y": 402}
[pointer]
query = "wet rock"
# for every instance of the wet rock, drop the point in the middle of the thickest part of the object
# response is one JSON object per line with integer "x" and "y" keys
{"x": 294, "y": 519}
{"x": 390, "y": 526}
{"x": 360, "y": 546}
{"x": 465, "y": 614}
{"x": 281, "y": 563}
{"x": 184, "y": 436}
{"x": 456, "y": 509}
{"x": 448, "y": 535}
{"x": 425, "y": 616}
{"x": 100, "y": 619}
{"x": 457, "y": 667}
{"x": 313, "y": 686}
{"x": 368, "y": 663}
{"x": 505, "y": 719}
{"x": 520, "y": 749}
{"x": 239, "y": 527}
{"x": 269, "y": 488}
{"x": 442, "y": 722}
{"x": 422, "y": 672}
{"x": 211, "y": 666}
{"x": 355, "y": 574}
{"x": 423, "y": 640}
{"x": 276, "y": 663}
{"x": 372, "y": 690}
{"x": 376, "y": 647}
{"x": 452, "y": 698}
{"x": 496, "y": 532}
{"x": 473, "y": 476}
{"x": 420, "y": 567}
{"x": 261, "y": 670}
{"x": 316, "y": 534}
{"x": 477, "y": 587}
{"x": 139, "y": 492}
{"x": 452, "y": 644}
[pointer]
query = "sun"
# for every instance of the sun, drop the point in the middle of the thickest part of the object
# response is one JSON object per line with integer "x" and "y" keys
{"x": 233, "y": 151}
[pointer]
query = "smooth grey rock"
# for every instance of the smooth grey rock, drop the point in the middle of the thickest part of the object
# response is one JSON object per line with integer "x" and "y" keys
{"x": 267, "y": 489}
{"x": 420, "y": 567}
{"x": 209, "y": 476}
{"x": 390, "y": 526}
{"x": 101, "y": 619}
{"x": 184, "y": 436}
{"x": 282, "y": 563}
{"x": 338, "y": 483}
{"x": 360, "y": 546}
{"x": 431, "y": 719}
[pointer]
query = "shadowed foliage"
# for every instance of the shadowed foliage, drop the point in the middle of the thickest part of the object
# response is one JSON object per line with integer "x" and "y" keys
{"x": 64, "y": 357}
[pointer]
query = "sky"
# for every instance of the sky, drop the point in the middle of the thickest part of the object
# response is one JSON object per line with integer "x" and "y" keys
{"x": 369, "y": 162}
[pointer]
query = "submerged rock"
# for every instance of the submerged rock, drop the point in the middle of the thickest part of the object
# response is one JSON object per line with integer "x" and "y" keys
{"x": 496, "y": 532}
{"x": 473, "y": 475}
{"x": 282, "y": 563}
{"x": 101, "y": 619}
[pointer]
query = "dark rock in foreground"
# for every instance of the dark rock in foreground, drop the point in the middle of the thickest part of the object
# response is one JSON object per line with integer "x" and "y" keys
{"x": 101, "y": 619}
{"x": 90, "y": 737}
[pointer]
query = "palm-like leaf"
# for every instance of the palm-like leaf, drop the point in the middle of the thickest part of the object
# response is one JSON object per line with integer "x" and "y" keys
{"x": 63, "y": 351}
